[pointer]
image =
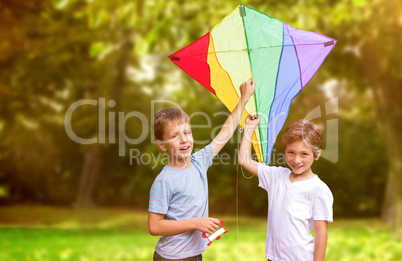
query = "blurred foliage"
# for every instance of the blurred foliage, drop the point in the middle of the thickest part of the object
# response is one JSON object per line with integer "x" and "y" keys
{"x": 55, "y": 53}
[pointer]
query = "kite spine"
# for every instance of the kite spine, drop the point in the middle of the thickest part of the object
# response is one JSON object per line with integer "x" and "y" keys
{"x": 243, "y": 14}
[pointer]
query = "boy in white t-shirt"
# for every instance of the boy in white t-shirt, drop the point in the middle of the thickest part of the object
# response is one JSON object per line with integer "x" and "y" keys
{"x": 298, "y": 200}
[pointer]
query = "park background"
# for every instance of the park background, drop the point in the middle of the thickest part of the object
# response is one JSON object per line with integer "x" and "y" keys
{"x": 61, "y": 200}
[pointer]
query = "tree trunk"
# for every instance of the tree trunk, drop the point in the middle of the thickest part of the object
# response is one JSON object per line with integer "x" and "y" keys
{"x": 387, "y": 94}
{"x": 392, "y": 206}
{"x": 93, "y": 159}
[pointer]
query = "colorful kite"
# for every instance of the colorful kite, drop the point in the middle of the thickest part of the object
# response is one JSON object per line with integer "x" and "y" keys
{"x": 249, "y": 44}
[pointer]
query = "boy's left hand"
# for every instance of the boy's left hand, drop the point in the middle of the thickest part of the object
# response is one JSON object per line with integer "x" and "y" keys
{"x": 252, "y": 121}
{"x": 247, "y": 88}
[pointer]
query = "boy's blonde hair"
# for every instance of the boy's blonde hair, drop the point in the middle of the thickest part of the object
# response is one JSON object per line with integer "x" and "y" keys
{"x": 303, "y": 130}
{"x": 166, "y": 116}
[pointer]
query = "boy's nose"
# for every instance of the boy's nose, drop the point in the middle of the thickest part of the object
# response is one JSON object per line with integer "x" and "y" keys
{"x": 183, "y": 138}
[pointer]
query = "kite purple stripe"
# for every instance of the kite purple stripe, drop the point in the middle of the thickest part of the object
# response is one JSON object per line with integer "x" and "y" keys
{"x": 310, "y": 57}
{"x": 322, "y": 60}
{"x": 297, "y": 56}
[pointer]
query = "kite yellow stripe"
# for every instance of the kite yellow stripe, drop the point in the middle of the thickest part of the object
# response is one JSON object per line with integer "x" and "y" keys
{"x": 220, "y": 79}
{"x": 257, "y": 146}
{"x": 236, "y": 9}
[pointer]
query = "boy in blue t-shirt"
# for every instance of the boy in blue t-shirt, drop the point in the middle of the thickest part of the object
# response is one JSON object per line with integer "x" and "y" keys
{"x": 178, "y": 204}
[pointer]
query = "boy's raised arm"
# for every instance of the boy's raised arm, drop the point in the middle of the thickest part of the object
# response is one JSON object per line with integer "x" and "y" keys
{"x": 230, "y": 125}
{"x": 244, "y": 158}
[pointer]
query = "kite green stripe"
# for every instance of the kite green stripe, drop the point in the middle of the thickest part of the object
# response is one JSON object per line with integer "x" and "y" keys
{"x": 264, "y": 37}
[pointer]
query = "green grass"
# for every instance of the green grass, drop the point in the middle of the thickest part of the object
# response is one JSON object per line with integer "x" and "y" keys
{"x": 42, "y": 233}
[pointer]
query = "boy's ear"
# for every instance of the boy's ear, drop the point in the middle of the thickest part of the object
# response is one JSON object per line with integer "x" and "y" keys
{"x": 161, "y": 145}
{"x": 318, "y": 155}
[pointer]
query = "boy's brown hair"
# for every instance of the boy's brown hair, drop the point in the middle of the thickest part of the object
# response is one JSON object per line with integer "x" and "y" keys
{"x": 303, "y": 130}
{"x": 166, "y": 116}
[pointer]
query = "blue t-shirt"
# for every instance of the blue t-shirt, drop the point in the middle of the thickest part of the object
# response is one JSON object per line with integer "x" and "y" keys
{"x": 182, "y": 194}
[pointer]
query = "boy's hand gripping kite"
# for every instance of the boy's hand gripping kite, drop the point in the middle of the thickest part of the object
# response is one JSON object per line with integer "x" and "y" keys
{"x": 216, "y": 234}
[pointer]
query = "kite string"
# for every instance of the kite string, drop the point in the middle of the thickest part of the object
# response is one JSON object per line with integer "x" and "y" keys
{"x": 237, "y": 211}
{"x": 238, "y": 148}
{"x": 237, "y": 198}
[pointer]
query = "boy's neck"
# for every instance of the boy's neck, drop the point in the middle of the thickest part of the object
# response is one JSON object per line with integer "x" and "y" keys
{"x": 179, "y": 164}
{"x": 308, "y": 174}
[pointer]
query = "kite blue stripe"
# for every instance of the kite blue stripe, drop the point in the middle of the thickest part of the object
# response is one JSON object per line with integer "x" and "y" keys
{"x": 267, "y": 150}
{"x": 288, "y": 85}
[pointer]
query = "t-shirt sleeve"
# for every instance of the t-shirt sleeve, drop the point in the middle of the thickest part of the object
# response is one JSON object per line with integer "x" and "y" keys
{"x": 268, "y": 175}
{"x": 159, "y": 197}
{"x": 204, "y": 156}
{"x": 322, "y": 206}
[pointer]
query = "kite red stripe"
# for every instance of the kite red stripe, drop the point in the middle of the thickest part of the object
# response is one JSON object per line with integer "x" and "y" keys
{"x": 193, "y": 60}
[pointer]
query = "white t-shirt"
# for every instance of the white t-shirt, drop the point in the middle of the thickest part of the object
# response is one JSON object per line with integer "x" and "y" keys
{"x": 293, "y": 207}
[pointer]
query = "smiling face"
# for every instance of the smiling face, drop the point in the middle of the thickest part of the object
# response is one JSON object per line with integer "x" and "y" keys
{"x": 299, "y": 158}
{"x": 177, "y": 142}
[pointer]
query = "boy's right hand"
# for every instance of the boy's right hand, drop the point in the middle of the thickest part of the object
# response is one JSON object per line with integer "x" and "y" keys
{"x": 247, "y": 89}
{"x": 252, "y": 121}
{"x": 206, "y": 224}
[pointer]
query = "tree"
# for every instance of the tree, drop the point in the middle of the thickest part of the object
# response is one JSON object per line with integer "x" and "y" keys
{"x": 382, "y": 63}
{"x": 370, "y": 33}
